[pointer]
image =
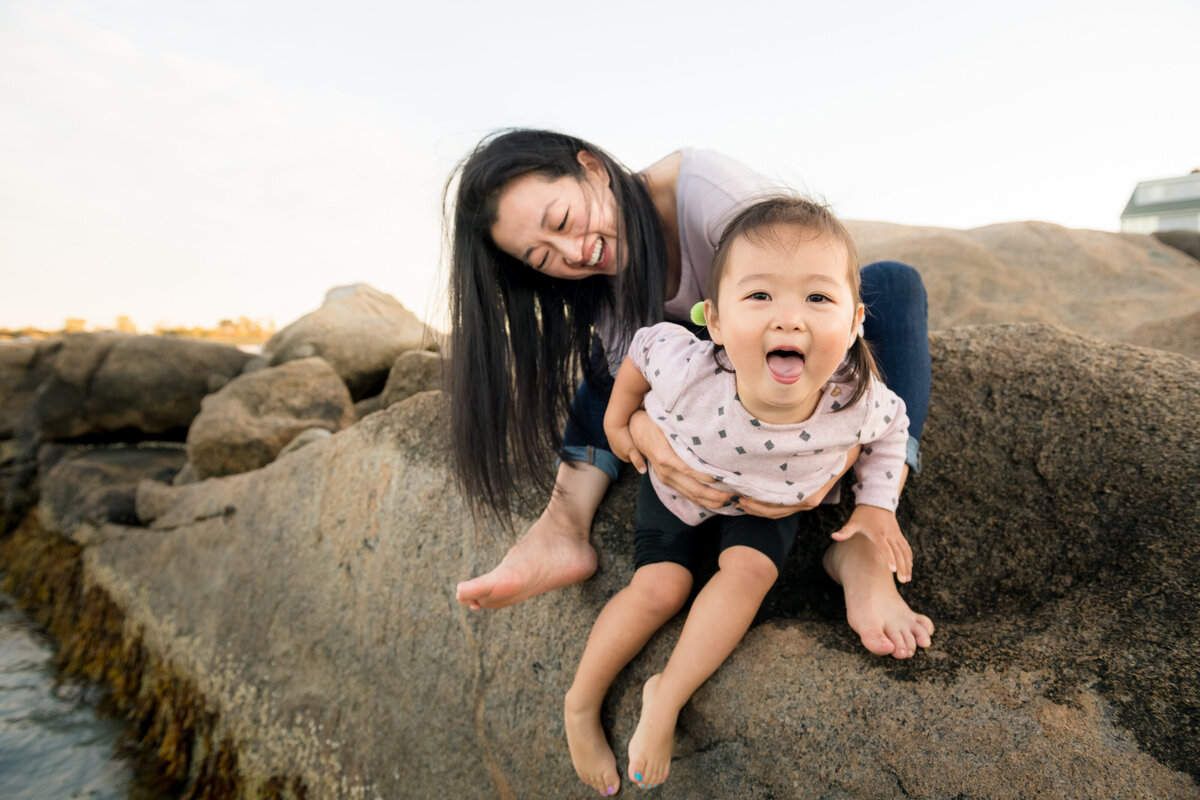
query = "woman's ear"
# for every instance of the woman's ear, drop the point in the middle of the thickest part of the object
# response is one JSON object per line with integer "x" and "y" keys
{"x": 712, "y": 322}
{"x": 592, "y": 167}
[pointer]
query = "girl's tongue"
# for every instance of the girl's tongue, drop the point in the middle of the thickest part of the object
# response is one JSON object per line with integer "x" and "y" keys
{"x": 786, "y": 366}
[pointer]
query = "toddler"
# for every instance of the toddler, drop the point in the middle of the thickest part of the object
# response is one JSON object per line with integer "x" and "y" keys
{"x": 782, "y": 401}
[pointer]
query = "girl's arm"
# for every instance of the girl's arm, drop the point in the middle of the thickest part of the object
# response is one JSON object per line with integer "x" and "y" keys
{"x": 629, "y": 387}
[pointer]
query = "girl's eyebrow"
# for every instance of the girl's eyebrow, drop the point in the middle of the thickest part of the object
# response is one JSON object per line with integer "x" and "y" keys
{"x": 811, "y": 278}
{"x": 545, "y": 215}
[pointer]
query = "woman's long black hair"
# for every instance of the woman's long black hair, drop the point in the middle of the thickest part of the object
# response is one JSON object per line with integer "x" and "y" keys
{"x": 519, "y": 340}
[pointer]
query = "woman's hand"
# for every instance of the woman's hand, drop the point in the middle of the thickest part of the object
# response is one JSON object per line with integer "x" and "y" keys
{"x": 650, "y": 444}
{"x": 757, "y": 508}
{"x": 880, "y": 526}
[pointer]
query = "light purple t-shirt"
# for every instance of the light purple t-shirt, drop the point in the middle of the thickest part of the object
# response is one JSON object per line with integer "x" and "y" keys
{"x": 712, "y": 187}
{"x": 695, "y": 403}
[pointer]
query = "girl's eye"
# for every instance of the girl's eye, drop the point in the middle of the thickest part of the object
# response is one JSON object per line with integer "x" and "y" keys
{"x": 817, "y": 298}
{"x": 563, "y": 224}
{"x": 758, "y": 296}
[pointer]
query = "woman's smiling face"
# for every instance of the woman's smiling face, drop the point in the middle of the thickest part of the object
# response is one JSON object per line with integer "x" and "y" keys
{"x": 563, "y": 227}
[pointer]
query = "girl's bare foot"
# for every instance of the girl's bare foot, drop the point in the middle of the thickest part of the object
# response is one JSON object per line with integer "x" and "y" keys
{"x": 874, "y": 607}
{"x": 653, "y": 741}
{"x": 594, "y": 761}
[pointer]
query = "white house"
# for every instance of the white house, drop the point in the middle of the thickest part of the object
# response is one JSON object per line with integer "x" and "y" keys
{"x": 1168, "y": 204}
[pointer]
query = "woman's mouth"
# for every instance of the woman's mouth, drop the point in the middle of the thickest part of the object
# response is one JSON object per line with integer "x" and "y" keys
{"x": 786, "y": 365}
{"x": 597, "y": 253}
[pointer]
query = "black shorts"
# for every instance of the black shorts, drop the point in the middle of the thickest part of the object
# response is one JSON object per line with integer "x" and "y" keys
{"x": 663, "y": 537}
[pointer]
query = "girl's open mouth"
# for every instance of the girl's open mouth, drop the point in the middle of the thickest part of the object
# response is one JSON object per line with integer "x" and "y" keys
{"x": 786, "y": 366}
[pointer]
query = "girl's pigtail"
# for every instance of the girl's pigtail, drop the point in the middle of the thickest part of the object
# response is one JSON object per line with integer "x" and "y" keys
{"x": 860, "y": 368}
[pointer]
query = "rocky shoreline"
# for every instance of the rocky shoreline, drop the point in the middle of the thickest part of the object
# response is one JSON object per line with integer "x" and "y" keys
{"x": 287, "y": 629}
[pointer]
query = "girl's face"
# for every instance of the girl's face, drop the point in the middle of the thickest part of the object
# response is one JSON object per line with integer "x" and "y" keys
{"x": 564, "y": 227}
{"x": 786, "y": 315}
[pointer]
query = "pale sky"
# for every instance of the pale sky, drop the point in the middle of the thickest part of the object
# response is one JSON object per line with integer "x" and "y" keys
{"x": 183, "y": 162}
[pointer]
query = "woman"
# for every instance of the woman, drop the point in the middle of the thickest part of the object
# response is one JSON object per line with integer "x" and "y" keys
{"x": 559, "y": 254}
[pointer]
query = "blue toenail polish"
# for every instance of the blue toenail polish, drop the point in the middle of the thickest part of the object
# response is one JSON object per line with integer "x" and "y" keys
{"x": 637, "y": 776}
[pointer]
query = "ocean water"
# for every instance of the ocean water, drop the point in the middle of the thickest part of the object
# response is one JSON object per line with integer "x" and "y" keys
{"x": 55, "y": 743}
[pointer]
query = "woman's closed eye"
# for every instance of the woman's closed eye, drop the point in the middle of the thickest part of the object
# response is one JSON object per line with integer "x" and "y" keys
{"x": 563, "y": 224}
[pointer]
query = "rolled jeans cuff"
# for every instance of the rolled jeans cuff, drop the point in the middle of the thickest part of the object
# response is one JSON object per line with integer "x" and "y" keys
{"x": 913, "y": 455}
{"x": 603, "y": 459}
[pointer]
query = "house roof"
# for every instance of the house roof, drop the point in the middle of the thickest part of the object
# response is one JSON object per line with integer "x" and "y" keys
{"x": 1132, "y": 209}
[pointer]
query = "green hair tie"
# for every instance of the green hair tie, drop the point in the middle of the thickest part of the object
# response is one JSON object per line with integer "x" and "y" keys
{"x": 697, "y": 314}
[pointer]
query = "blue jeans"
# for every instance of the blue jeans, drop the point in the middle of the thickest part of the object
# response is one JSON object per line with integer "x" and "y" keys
{"x": 896, "y": 326}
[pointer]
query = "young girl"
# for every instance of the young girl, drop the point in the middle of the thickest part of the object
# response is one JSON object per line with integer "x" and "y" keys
{"x": 776, "y": 407}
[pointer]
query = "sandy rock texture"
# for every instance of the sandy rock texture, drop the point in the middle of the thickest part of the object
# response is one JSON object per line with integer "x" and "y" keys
{"x": 1057, "y": 536}
{"x": 1102, "y": 284}
{"x": 359, "y": 330}
{"x": 244, "y": 425}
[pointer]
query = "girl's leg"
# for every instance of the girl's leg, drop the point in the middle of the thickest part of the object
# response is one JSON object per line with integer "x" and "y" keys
{"x": 630, "y": 618}
{"x": 720, "y": 617}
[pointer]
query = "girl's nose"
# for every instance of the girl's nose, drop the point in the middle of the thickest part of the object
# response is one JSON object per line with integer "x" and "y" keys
{"x": 789, "y": 319}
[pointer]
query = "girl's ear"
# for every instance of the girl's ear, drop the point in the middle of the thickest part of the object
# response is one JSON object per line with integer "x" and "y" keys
{"x": 713, "y": 322}
{"x": 592, "y": 167}
{"x": 856, "y": 325}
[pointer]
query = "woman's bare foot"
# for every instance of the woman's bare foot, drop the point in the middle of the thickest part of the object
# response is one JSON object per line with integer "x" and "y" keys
{"x": 594, "y": 761}
{"x": 653, "y": 741}
{"x": 545, "y": 558}
{"x": 553, "y": 553}
{"x": 874, "y": 607}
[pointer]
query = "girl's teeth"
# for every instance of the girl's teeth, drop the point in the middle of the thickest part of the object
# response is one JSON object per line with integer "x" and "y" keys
{"x": 596, "y": 251}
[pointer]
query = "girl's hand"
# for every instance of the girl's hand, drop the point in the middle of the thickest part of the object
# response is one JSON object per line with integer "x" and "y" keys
{"x": 757, "y": 508}
{"x": 649, "y": 441}
{"x": 622, "y": 446}
{"x": 880, "y": 526}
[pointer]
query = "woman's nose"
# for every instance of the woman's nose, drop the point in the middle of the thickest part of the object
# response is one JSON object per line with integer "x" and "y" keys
{"x": 570, "y": 248}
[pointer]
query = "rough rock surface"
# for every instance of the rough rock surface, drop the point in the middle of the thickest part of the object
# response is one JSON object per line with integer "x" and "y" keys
{"x": 1185, "y": 241}
{"x": 18, "y": 382}
{"x": 1098, "y": 283}
{"x": 414, "y": 371}
{"x": 100, "y": 485}
{"x": 1179, "y": 335}
{"x": 1056, "y": 531}
{"x": 105, "y": 386}
{"x": 358, "y": 329}
{"x": 106, "y": 383}
{"x": 245, "y": 425}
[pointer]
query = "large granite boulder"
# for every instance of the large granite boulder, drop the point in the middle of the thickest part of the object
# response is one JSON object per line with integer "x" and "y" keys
{"x": 99, "y": 484}
{"x": 1184, "y": 241}
{"x": 414, "y": 371}
{"x": 358, "y": 329}
{"x": 245, "y": 424}
{"x": 1099, "y": 283}
{"x": 114, "y": 383}
{"x": 97, "y": 386}
{"x": 1056, "y": 535}
{"x": 19, "y": 379}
